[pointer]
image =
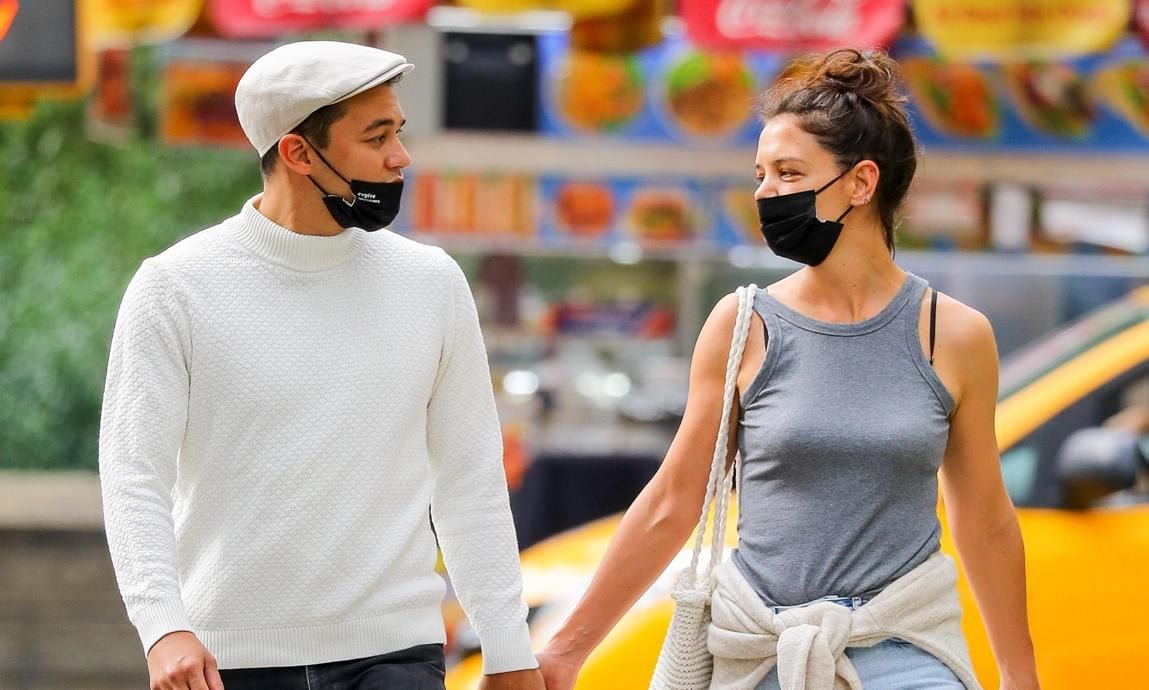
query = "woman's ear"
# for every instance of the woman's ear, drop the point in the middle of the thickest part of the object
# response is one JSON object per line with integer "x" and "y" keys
{"x": 865, "y": 182}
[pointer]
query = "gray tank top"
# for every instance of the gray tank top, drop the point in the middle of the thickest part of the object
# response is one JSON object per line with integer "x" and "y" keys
{"x": 842, "y": 434}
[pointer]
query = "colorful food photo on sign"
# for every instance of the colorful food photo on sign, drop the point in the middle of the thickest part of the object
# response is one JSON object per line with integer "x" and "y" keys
{"x": 707, "y": 95}
{"x": 583, "y": 209}
{"x": 659, "y": 215}
{"x": 1052, "y": 98}
{"x": 490, "y": 205}
{"x": 954, "y": 99}
{"x": 598, "y": 92}
{"x": 1124, "y": 88}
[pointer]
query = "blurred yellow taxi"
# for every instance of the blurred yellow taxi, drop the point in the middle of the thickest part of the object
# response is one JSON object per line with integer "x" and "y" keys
{"x": 1073, "y": 429}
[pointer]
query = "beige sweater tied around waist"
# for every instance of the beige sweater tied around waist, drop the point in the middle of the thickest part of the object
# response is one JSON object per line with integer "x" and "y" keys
{"x": 807, "y": 644}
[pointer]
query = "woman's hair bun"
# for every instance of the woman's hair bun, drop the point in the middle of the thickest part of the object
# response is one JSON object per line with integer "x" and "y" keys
{"x": 870, "y": 75}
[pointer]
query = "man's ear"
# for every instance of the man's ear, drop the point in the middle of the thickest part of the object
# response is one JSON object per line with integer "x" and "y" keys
{"x": 295, "y": 153}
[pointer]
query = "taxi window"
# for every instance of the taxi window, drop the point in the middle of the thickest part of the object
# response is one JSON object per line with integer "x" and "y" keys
{"x": 1029, "y": 467}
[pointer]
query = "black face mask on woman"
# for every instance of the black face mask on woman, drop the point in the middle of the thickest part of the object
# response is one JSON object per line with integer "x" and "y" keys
{"x": 375, "y": 204}
{"x": 792, "y": 229}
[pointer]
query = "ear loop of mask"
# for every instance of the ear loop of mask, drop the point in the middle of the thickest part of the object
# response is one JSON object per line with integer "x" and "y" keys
{"x": 332, "y": 169}
{"x": 819, "y": 190}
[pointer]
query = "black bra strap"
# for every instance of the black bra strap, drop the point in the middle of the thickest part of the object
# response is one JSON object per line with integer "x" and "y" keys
{"x": 933, "y": 320}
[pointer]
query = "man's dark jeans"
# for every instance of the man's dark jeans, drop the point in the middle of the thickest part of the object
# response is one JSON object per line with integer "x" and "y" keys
{"x": 417, "y": 668}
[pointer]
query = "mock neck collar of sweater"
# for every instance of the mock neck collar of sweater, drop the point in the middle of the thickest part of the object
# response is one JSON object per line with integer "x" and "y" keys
{"x": 278, "y": 245}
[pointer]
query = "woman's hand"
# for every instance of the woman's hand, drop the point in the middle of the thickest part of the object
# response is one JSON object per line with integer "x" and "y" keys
{"x": 559, "y": 671}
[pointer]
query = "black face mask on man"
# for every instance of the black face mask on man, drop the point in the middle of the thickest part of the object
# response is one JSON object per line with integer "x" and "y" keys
{"x": 792, "y": 229}
{"x": 375, "y": 204}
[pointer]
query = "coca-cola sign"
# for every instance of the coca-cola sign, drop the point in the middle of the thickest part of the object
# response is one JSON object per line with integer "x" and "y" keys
{"x": 792, "y": 24}
{"x": 267, "y": 18}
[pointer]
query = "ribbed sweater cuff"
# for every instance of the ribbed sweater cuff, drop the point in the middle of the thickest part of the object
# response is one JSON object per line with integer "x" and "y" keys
{"x": 507, "y": 650}
{"x": 156, "y": 620}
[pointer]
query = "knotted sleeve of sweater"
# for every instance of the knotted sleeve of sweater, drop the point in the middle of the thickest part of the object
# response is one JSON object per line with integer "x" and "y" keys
{"x": 143, "y": 421}
{"x": 470, "y": 506}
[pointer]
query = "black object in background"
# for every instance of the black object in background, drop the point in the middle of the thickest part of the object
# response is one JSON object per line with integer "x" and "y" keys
{"x": 562, "y": 491}
{"x": 490, "y": 81}
{"x": 40, "y": 46}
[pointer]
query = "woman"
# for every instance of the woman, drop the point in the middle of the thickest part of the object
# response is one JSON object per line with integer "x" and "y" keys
{"x": 858, "y": 384}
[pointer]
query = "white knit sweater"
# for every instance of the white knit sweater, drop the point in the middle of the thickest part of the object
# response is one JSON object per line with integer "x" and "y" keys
{"x": 284, "y": 418}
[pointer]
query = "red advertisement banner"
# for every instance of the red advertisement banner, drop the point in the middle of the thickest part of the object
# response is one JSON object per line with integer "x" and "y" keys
{"x": 267, "y": 18}
{"x": 792, "y": 24}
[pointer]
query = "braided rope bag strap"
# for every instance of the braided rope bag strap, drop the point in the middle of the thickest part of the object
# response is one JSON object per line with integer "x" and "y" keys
{"x": 685, "y": 663}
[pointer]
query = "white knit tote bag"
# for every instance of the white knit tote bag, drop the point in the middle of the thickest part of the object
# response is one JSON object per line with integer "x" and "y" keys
{"x": 685, "y": 663}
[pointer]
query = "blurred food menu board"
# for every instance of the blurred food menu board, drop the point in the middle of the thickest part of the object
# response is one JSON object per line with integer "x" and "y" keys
{"x": 475, "y": 204}
{"x": 558, "y": 212}
{"x": 1094, "y": 103}
{"x": 672, "y": 91}
{"x": 677, "y": 92}
{"x": 649, "y": 212}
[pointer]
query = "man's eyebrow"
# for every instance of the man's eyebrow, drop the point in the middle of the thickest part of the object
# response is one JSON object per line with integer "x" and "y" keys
{"x": 385, "y": 122}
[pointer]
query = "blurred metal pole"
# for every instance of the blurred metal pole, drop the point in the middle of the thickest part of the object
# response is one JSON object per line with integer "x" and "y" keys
{"x": 692, "y": 276}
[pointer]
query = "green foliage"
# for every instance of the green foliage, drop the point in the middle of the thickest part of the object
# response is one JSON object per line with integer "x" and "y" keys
{"x": 76, "y": 219}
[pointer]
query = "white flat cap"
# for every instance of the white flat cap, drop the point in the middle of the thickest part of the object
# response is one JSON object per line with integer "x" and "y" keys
{"x": 283, "y": 87}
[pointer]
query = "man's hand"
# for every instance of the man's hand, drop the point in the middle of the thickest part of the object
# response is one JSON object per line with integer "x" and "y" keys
{"x": 559, "y": 672}
{"x": 514, "y": 680}
{"x": 179, "y": 662}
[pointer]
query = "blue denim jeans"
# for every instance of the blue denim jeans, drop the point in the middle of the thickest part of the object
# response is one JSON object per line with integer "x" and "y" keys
{"x": 417, "y": 668}
{"x": 891, "y": 665}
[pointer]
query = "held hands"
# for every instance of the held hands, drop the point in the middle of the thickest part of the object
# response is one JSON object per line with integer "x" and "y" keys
{"x": 559, "y": 672}
{"x": 529, "y": 679}
{"x": 179, "y": 662}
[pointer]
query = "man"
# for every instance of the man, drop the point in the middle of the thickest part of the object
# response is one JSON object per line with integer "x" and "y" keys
{"x": 292, "y": 400}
